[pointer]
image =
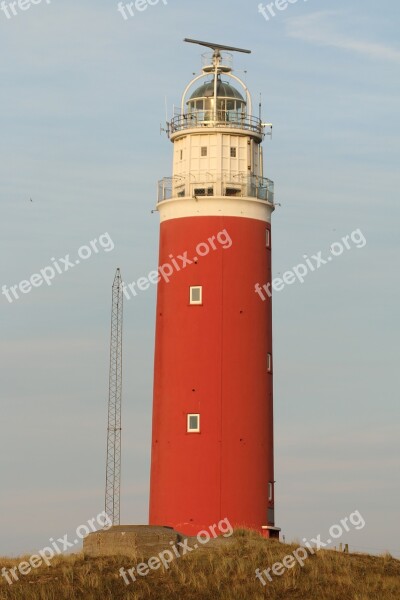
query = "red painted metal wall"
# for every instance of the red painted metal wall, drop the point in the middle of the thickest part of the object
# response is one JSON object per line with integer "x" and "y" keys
{"x": 212, "y": 360}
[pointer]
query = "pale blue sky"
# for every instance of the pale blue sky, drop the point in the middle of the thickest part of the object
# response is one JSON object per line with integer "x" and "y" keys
{"x": 81, "y": 100}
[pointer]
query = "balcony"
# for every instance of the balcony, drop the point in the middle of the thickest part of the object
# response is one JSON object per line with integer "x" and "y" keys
{"x": 225, "y": 118}
{"x": 241, "y": 187}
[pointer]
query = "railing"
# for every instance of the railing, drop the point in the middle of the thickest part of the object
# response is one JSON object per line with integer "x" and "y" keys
{"x": 245, "y": 186}
{"x": 224, "y": 119}
{"x": 165, "y": 189}
{"x": 261, "y": 188}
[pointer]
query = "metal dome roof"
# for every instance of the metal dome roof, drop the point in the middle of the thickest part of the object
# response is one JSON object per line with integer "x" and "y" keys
{"x": 224, "y": 90}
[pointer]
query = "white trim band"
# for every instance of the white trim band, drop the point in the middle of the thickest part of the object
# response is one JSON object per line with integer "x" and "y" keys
{"x": 212, "y": 206}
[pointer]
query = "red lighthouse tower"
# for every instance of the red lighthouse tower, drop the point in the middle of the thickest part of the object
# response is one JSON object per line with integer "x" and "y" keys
{"x": 212, "y": 446}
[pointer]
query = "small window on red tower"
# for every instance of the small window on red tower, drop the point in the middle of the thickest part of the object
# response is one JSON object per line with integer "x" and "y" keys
{"x": 270, "y": 490}
{"x": 193, "y": 423}
{"x": 196, "y": 294}
{"x": 204, "y": 151}
{"x": 268, "y": 238}
{"x": 269, "y": 362}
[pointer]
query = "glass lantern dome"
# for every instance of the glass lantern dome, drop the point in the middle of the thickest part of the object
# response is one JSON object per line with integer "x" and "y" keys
{"x": 231, "y": 106}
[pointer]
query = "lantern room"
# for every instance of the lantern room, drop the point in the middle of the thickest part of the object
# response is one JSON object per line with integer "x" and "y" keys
{"x": 230, "y": 104}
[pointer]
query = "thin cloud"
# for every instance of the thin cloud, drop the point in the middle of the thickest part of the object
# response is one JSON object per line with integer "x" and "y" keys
{"x": 317, "y": 28}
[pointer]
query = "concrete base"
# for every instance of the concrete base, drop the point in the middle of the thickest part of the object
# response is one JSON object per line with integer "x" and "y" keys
{"x": 135, "y": 541}
{"x": 141, "y": 541}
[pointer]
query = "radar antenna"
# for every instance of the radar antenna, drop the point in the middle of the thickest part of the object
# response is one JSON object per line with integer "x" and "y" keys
{"x": 217, "y": 47}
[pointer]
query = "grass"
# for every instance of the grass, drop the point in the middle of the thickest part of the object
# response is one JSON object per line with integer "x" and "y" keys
{"x": 225, "y": 572}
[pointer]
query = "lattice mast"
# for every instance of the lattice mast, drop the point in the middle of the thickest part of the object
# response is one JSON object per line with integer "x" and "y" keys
{"x": 113, "y": 467}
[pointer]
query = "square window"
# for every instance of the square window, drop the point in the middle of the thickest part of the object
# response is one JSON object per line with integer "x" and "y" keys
{"x": 204, "y": 151}
{"x": 196, "y": 294}
{"x": 269, "y": 362}
{"x": 193, "y": 423}
{"x": 233, "y": 152}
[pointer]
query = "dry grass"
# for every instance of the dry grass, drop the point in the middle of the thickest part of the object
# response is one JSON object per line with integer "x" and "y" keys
{"x": 225, "y": 573}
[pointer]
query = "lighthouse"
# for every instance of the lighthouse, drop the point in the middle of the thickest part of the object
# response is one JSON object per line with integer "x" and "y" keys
{"x": 212, "y": 430}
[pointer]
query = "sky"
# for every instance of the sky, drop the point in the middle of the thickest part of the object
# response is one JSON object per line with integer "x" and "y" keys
{"x": 82, "y": 97}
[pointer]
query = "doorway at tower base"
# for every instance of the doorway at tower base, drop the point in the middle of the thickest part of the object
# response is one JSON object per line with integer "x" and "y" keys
{"x": 270, "y": 532}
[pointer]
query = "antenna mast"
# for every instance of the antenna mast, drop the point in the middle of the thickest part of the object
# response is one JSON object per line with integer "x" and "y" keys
{"x": 113, "y": 466}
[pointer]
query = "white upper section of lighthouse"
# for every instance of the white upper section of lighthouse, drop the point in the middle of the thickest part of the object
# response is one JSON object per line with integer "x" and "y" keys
{"x": 217, "y": 148}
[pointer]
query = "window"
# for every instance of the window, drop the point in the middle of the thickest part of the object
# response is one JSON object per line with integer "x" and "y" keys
{"x": 268, "y": 238}
{"x": 204, "y": 151}
{"x": 232, "y": 191}
{"x": 269, "y": 362}
{"x": 233, "y": 152}
{"x": 196, "y": 294}
{"x": 270, "y": 488}
{"x": 193, "y": 423}
{"x": 204, "y": 191}
{"x": 181, "y": 154}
